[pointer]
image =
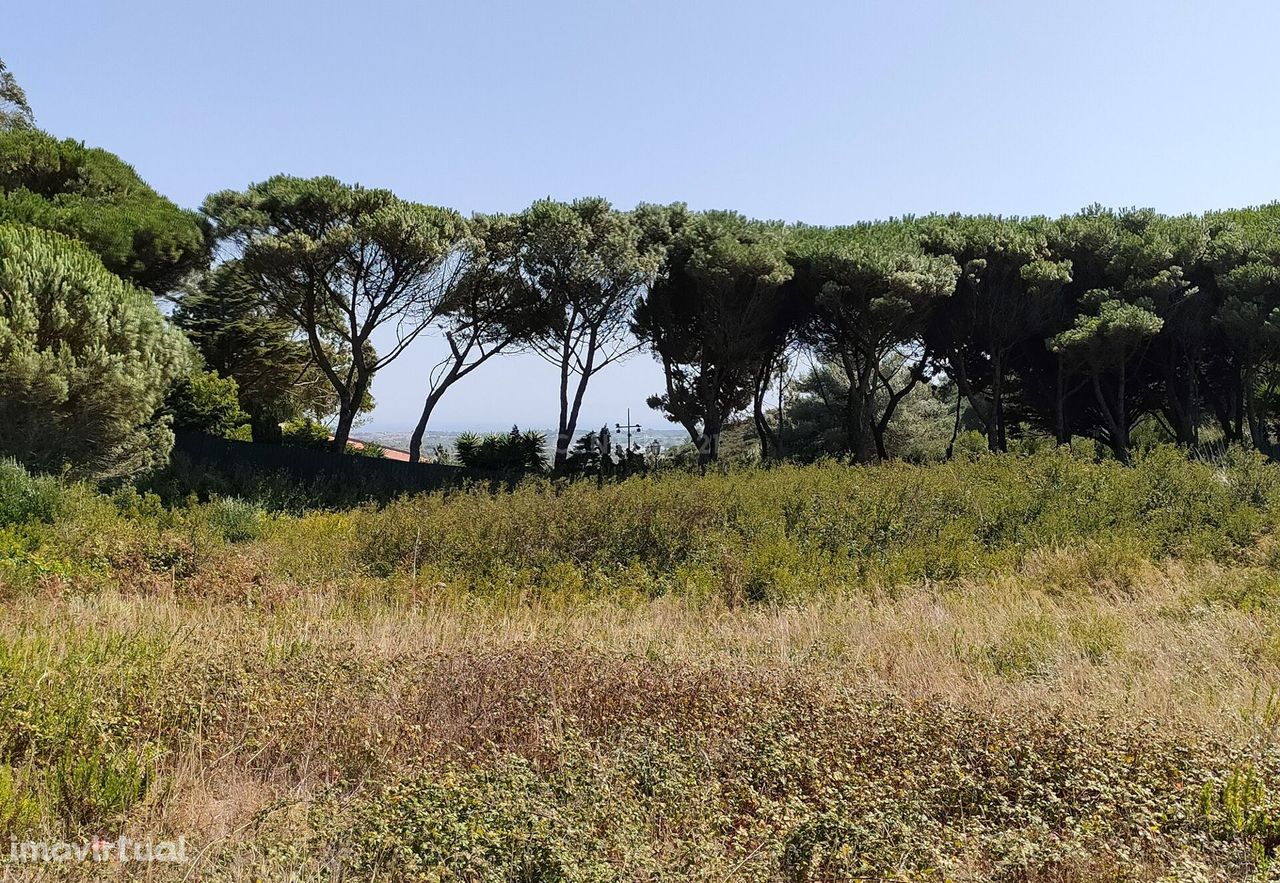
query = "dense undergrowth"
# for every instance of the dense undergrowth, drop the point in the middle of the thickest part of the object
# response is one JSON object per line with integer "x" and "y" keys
{"x": 778, "y": 535}
{"x": 1012, "y": 668}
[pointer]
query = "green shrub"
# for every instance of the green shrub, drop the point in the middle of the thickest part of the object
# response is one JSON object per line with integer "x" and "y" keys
{"x": 776, "y": 536}
{"x": 781, "y": 534}
{"x": 498, "y": 825}
{"x": 372, "y": 450}
{"x": 96, "y": 785}
{"x": 19, "y": 811}
{"x": 512, "y": 451}
{"x": 25, "y": 497}
{"x": 205, "y": 402}
{"x": 803, "y": 785}
{"x": 73, "y": 739}
{"x": 235, "y": 520}
{"x": 306, "y": 433}
{"x": 1242, "y": 805}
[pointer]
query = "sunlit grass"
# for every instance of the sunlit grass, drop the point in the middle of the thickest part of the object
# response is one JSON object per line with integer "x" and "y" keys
{"x": 1042, "y": 669}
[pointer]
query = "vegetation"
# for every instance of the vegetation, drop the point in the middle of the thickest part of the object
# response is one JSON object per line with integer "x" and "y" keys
{"x": 1120, "y": 327}
{"x": 205, "y": 402}
{"x": 872, "y": 291}
{"x": 1097, "y": 325}
{"x": 94, "y": 196}
{"x": 307, "y": 433}
{"x": 85, "y": 358}
{"x": 490, "y": 311}
{"x": 15, "y": 112}
{"x": 241, "y": 339}
{"x": 583, "y": 263}
{"x": 716, "y": 320}
{"x": 936, "y": 639}
{"x": 514, "y": 451}
{"x": 341, "y": 262}
{"x": 26, "y": 498}
{"x": 1008, "y": 667}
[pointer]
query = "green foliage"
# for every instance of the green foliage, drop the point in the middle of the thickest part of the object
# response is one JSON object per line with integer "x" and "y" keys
{"x": 240, "y": 338}
{"x": 1009, "y": 286}
{"x": 593, "y": 456}
{"x": 717, "y": 318}
{"x": 779, "y": 536}
{"x": 205, "y": 402}
{"x": 15, "y": 112}
{"x": 582, "y": 264}
{"x": 372, "y": 450}
{"x": 452, "y": 742}
{"x": 89, "y": 788}
{"x": 91, "y": 195}
{"x": 1103, "y": 344}
{"x": 85, "y": 361}
{"x": 339, "y": 262}
{"x": 785, "y": 534}
{"x": 235, "y": 520}
{"x": 513, "y": 451}
{"x": 872, "y": 290}
{"x": 305, "y": 433}
{"x": 1098, "y": 325}
{"x": 790, "y": 786}
{"x": 66, "y": 750}
{"x": 278, "y": 490}
{"x": 25, "y": 497}
{"x": 1243, "y": 805}
{"x": 1106, "y": 339}
{"x": 19, "y": 811}
{"x": 493, "y": 826}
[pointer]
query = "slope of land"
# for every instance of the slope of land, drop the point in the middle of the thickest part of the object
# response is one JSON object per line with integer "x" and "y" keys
{"x": 1018, "y": 668}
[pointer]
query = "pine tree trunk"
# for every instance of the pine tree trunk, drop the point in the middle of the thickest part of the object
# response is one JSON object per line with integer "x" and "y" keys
{"x": 419, "y": 431}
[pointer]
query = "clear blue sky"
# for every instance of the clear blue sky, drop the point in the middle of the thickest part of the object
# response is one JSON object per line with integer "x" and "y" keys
{"x": 826, "y": 112}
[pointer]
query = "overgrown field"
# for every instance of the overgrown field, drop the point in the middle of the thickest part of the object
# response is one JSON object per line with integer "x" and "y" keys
{"x": 1016, "y": 668}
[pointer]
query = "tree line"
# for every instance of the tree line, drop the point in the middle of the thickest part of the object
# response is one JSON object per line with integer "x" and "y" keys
{"x": 288, "y": 297}
{"x": 1078, "y": 326}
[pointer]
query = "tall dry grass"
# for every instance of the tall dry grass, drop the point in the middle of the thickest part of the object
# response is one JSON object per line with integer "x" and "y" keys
{"x": 322, "y": 697}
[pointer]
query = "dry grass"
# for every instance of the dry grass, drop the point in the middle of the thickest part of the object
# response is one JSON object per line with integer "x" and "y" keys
{"x": 263, "y": 709}
{"x": 1091, "y": 710}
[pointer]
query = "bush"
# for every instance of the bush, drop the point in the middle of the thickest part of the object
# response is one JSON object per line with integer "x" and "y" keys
{"x": 777, "y": 536}
{"x": 793, "y": 531}
{"x": 372, "y": 450}
{"x": 67, "y": 715}
{"x": 801, "y": 787}
{"x": 306, "y": 433}
{"x": 495, "y": 826}
{"x": 25, "y": 497}
{"x": 205, "y": 402}
{"x": 235, "y": 520}
{"x": 514, "y": 451}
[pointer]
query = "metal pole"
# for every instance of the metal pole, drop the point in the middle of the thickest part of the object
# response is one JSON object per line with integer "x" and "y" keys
{"x": 630, "y": 426}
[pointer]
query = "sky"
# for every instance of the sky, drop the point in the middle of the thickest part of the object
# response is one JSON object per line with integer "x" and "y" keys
{"x": 825, "y": 112}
